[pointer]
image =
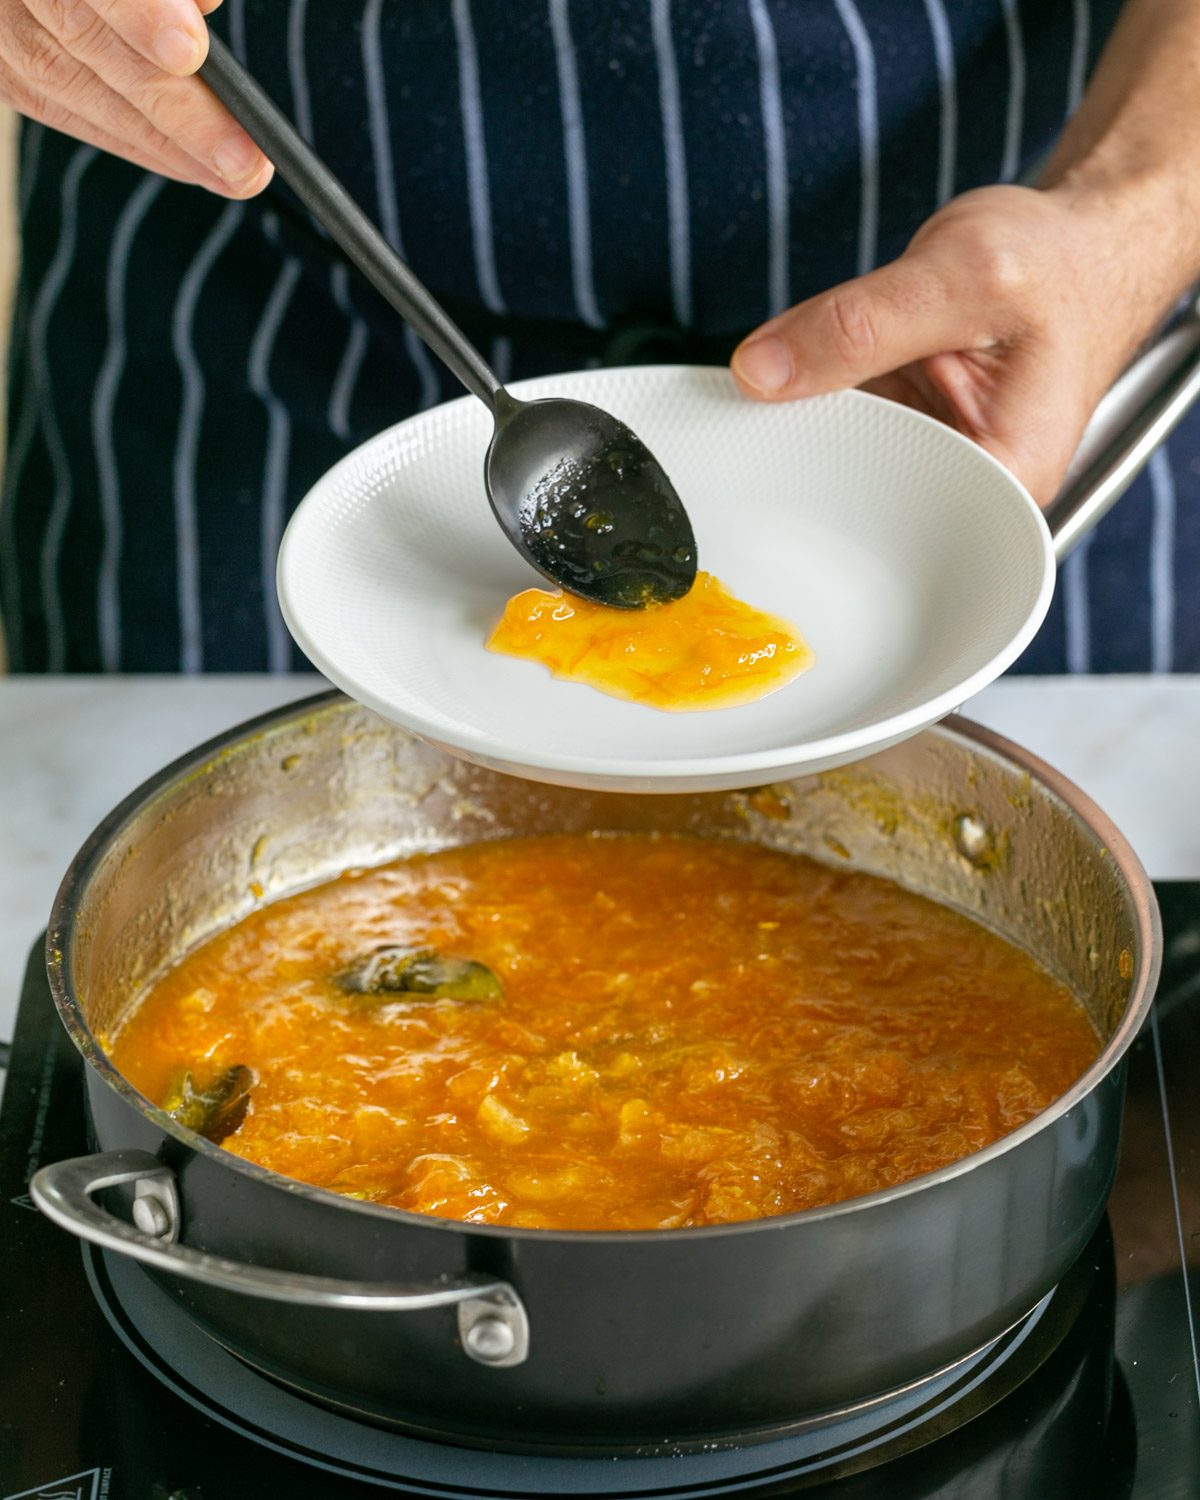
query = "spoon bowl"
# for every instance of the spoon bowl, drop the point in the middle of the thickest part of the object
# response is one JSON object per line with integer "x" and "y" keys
{"x": 582, "y": 498}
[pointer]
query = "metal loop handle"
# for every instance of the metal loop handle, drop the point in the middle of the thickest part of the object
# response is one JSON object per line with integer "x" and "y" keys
{"x": 492, "y": 1321}
{"x": 1142, "y": 409}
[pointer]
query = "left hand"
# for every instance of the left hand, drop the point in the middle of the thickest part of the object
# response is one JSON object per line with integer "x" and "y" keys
{"x": 119, "y": 74}
{"x": 1008, "y": 317}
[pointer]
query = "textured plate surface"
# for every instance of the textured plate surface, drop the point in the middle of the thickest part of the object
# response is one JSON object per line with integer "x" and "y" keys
{"x": 915, "y": 566}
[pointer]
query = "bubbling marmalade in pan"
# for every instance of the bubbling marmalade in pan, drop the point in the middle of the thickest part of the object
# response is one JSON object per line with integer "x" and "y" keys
{"x": 605, "y": 1032}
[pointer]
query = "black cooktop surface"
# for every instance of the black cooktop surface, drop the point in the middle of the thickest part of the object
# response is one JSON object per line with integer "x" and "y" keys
{"x": 103, "y": 1393}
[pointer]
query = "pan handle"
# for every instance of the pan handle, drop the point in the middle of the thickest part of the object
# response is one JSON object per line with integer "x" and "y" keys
{"x": 492, "y": 1321}
{"x": 1139, "y": 412}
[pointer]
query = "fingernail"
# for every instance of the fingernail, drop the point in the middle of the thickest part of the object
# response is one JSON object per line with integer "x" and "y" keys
{"x": 177, "y": 50}
{"x": 236, "y": 157}
{"x": 765, "y": 364}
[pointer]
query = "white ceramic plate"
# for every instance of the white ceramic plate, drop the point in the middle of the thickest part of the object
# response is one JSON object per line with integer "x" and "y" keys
{"x": 915, "y": 566}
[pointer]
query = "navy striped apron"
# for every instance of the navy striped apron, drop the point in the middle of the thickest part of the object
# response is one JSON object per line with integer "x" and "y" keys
{"x": 583, "y": 182}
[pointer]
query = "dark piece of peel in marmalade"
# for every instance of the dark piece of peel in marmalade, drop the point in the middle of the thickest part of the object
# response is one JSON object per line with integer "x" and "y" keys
{"x": 216, "y": 1111}
{"x": 420, "y": 972}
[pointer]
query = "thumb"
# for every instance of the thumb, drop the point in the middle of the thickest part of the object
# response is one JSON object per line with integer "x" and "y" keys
{"x": 858, "y": 331}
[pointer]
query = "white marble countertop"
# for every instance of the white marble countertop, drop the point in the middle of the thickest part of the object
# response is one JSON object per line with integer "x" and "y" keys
{"x": 72, "y": 747}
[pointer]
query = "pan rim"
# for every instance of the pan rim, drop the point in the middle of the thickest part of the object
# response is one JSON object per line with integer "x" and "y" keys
{"x": 60, "y": 947}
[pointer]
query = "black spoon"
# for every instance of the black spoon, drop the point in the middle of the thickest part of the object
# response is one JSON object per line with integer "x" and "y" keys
{"x": 577, "y": 493}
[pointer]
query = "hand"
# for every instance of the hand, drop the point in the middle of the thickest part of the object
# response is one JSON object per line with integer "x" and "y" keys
{"x": 1008, "y": 317}
{"x": 117, "y": 73}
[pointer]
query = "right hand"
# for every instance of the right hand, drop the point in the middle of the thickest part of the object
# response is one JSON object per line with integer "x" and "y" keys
{"x": 117, "y": 73}
{"x": 1009, "y": 315}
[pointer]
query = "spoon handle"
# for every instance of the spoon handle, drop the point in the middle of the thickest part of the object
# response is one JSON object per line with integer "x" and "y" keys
{"x": 331, "y": 205}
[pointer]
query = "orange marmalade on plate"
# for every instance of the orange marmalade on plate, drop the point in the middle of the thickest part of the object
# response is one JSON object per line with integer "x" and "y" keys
{"x": 605, "y": 1032}
{"x": 706, "y": 650}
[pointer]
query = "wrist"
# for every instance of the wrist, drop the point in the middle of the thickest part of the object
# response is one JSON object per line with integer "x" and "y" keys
{"x": 1139, "y": 229}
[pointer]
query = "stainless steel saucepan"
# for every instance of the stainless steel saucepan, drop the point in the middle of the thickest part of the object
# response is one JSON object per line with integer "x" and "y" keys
{"x": 586, "y": 1341}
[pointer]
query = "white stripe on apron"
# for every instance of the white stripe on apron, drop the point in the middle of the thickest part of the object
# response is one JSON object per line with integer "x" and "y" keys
{"x": 187, "y": 438}
{"x": 341, "y": 394}
{"x": 1077, "y": 77}
{"x": 478, "y": 192}
{"x": 579, "y": 215}
{"x": 237, "y": 29}
{"x": 1014, "y": 117}
{"x": 943, "y": 51}
{"x": 1076, "y": 600}
{"x": 60, "y": 505}
{"x": 1162, "y": 563}
{"x": 868, "y": 134}
{"x": 502, "y": 356}
{"x": 676, "y": 160}
{"x": 1077, "y": 607}
{"x": 385, "y": 183}
{"x": 275, "y": 460}
{"x": 775, "y": 146}
{"x": 297, "y": 71}
{"x": 377, "y": 114}
{"x": 104, "y": 397}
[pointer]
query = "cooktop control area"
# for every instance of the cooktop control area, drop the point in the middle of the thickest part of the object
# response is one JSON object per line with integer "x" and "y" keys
{"x": 106, "y": 1390}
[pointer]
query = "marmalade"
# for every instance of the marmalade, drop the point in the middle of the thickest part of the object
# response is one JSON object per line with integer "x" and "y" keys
{"x": 605, "y": 1032}
{"x": 706, "y": 650}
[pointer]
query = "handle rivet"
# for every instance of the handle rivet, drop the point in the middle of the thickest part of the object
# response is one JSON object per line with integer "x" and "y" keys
{"x": 151, "y": 1217}
{"x": 491, "y": 1339}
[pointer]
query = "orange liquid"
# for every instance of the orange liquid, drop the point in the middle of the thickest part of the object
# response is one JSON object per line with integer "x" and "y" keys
{"x": 691, "y": 1031}
{"x": 706, "y": 650}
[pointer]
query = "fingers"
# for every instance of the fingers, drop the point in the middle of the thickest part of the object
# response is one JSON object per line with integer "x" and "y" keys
{"x": 171, "y": 34}
{"x": 859, "y": 331}
{"x": 1000, "y": 319}
{"x": 1030, "y": 416}
{"x": 179, "y": 167}
{"x": 971, "y": 280}
{"x": 1023, "y": 406}
{"x": 179, "y": 109}
{"x": 94, "y": 113}
{"x": 82, "y": 66}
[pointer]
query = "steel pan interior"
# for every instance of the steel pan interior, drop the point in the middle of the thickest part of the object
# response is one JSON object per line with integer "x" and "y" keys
{"x": 642, "y": 1333}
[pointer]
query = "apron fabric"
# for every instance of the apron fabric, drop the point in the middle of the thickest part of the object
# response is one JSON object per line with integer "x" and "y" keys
{"x": 583, "y": 182}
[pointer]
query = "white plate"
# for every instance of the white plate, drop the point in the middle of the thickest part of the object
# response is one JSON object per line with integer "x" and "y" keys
{"x": 914, "y": 564}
